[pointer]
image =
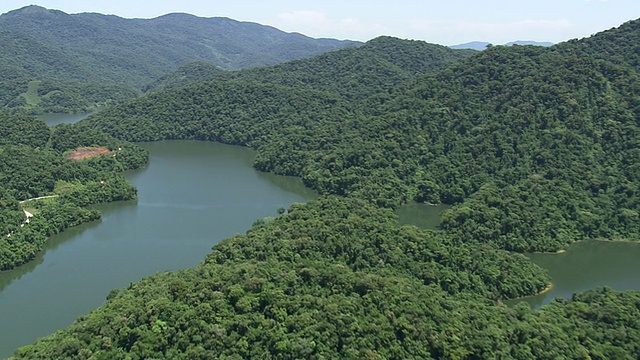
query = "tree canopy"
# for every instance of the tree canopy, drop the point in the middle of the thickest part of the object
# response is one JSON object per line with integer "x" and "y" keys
{"x": 51, "y": 61}
{"x": 339, "y": 278}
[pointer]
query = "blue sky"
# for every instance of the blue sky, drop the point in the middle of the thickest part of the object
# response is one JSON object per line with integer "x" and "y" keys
{"x": 436, "y": 21}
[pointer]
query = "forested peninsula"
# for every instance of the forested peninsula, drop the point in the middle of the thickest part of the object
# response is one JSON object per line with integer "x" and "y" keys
{"x": 534, "y": 147}
{"x": 43, "y": 190}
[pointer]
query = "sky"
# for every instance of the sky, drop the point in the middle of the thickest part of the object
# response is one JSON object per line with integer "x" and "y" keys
{"x": 443, "y": 22}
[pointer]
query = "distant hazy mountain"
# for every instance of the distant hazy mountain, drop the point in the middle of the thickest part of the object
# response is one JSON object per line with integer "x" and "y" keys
{"x": 528, "y": 42}
{"x": 474, "y": 45}
{"x": 481, "y": 45}
{"x": 96, "y": 47}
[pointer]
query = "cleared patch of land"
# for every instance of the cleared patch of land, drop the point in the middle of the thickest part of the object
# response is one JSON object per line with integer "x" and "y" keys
{"x": 85, "y": 152}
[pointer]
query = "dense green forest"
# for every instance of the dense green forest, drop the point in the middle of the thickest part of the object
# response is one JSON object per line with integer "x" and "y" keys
{"x": 39, "y": 77}
{"x": 33, "y": 164}
{"x": 534, "y": 147}
{"x": 99, "y": 47}
{"x": 91, "y": 60}
{"x": 185, "y": 75}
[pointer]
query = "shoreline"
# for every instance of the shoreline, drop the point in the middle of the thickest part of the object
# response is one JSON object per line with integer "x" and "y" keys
{"x": 544, "y": 291}
{"x": 541, "y": 292}
{"x": 561, "y": 251}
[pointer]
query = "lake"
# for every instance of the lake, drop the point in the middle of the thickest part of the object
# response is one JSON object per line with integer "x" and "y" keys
{"x": 191, "y": 196}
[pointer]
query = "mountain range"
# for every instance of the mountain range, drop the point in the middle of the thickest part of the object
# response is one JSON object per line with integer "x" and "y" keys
{"x": 71, "y": 49}
{"x": 112, "y": 46}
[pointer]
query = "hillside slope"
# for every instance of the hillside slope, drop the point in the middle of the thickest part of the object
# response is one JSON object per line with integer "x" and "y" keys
{"x": 34, "y": 163}
{"x": 339, "y": 278}
{"x": 377, "y": 66}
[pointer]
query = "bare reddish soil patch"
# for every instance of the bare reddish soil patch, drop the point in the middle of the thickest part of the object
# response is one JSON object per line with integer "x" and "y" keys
{"x": 85, "y": 152}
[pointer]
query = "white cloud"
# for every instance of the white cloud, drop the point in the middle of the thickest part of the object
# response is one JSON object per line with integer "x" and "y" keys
{"x": 304, "y": 17}
{"x": 319, "y": 24}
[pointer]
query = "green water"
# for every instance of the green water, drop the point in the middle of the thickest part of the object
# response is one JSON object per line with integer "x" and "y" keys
{"x": 587, "y": 265}
{"x": 191, "y": 196}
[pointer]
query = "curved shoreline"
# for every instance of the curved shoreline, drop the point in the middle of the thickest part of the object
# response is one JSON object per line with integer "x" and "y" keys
{"x": 626, "y": 241}
{"x": 541, "y": 292}
{"x": 564, "y": 250}
{"x": 544, "y": 291}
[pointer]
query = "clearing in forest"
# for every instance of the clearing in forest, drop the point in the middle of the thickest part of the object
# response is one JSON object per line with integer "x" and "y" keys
{"x": 85, "y": 152}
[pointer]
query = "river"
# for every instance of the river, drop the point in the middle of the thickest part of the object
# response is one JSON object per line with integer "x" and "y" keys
{"x": 191, "y": 196}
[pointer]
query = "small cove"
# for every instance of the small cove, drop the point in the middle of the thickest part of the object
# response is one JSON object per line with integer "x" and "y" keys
{"x": 588, "y": 265}
{"x": 585, "y": 265}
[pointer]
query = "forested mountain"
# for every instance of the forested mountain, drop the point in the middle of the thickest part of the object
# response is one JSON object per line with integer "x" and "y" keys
{"x": 42, "y": 44}
{"x": 378, "y": 67}
{"x": 185, "y": 75}
{"x": 535, "y": 147}
{"x": 339, "y": 278}
{"x": 107, "y": 48}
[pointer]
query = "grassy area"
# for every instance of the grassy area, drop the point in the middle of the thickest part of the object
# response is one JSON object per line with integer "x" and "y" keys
{"x": 62, "y": 187}
{"x": 31, "y": 96}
